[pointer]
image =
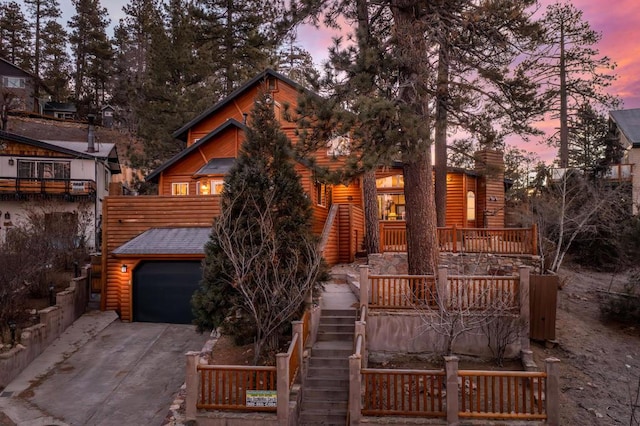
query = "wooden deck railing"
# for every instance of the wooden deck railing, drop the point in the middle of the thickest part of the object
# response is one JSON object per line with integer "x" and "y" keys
{"x": 47, "y": 186}
{"x": 224, "y": 387}
{"x": 306, "y": 327}
{"x": 483, "y": 292}
{"x": 403, "y": 392}
{"x": 477, "y": 292}
{"x": 294, "y": 359}
{"x": 502, "y": 395}
{"x": 402, "y": 291}
{"x": 393, "y": 238}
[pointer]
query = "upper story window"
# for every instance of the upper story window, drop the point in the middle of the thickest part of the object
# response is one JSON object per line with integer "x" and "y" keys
{"x": 14, "y": 82}
{"x": 339, "y": 146}
{"x": 44, "y": 169}
{"x": 471, "y": 205}
{"x": 395, "y": 181}
{"x": 180, "y": 188}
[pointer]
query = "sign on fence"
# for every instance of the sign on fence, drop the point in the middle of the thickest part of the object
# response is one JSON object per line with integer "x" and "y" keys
{"x": 262, "y": 398}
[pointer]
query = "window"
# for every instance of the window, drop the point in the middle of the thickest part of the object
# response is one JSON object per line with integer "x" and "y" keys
{"x": 339, "y": 146}
{"x": 213, "y": 187}
{"x": 180, "y": 188}
{"x": 471, "y": 205}
{"x": 14, "y": 82}
{"x": 391, "y": 206}
{"x": 321, "y": 194}
{"x": 395, "y": 181}
{"x": 44, "y": 169}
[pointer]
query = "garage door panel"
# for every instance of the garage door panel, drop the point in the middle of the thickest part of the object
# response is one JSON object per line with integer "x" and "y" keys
{"x": 162, "y": 291}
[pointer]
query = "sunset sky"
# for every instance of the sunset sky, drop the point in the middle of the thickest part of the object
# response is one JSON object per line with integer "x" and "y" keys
{"x": 618, "y": 22}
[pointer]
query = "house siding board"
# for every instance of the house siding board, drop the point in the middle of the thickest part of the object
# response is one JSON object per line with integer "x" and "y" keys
{"x": 127, "y": 217}
{"x": 456, "y": 203}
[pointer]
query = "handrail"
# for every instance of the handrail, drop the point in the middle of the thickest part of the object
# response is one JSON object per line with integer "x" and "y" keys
{"x": 292, "y": 354}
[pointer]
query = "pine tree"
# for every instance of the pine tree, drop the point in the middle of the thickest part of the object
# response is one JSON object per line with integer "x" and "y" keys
{"x": 92, "y": 53}
{"x": 15, "y": 35}
{"x": 262, "y": 259}
{"x": 42, "y": 12}
{"x": 54, "y": 61}
{"x": 569, "y": 69}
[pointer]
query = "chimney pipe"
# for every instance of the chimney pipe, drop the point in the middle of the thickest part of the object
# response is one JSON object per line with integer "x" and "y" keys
{"x": 91, "y": 136}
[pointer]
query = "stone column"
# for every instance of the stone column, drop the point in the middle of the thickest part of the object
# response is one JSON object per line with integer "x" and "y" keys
{"x": 525, "y": 316}
{"x": 355, "y": 390}
{"x": 191, "y": 381}
{"x": 451, "y": 369}
{"x": 552, "y": 391}
{"x": 364, "y": 285}
{"x": 282, "y": 365}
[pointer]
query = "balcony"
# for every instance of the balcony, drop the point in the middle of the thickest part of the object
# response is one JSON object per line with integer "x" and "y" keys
{"x": 12, "y": 188}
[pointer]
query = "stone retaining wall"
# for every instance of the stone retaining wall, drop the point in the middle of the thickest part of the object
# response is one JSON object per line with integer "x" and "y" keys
{"x": 70, "y": 304}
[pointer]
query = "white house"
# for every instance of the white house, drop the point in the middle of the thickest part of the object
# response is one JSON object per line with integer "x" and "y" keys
{"x": 626, "y": 125}
{"x": 57, "y": 178}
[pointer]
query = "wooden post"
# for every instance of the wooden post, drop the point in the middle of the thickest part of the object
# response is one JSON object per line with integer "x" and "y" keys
{"x": 442, "y": 287}
{"x": 364, "y": 285}
{"x": 191, "y": 397}
{"x": 525, "y": 315}
{"x": 451, "y": 368}
{"x": 455, "y": 238}
{"x": 282, "y": 365}
{"x": 355, "y": 390}
{"x": 552, "y": 392}
{"x": 534, "y": 239}
{"x": 382, "y": 242}
{"x": 298, "y": 328}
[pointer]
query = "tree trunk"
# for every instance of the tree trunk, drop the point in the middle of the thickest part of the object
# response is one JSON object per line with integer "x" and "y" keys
{"x": 564, "y": 125}
{"x": 422, "y": 249}
{"x": 372, "y": 224}
{"x": 440, "y": 166}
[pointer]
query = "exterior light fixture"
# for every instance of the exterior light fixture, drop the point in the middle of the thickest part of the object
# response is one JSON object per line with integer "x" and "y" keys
{"x": 123, "y": 268}
{"x": 11, "y": 161}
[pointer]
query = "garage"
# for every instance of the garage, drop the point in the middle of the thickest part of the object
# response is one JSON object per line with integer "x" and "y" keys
{"x": 162, "y": 291}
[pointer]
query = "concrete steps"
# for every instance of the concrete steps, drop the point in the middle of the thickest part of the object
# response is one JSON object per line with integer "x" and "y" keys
{"x": 326, "y": 389}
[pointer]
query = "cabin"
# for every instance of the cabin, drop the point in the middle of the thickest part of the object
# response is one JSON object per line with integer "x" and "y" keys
{"x": 153, "y": 245}
{"x": 59, "y": 177}
{"x": 17, "y": 88}
{"x": 625, "y": 125}
{"x": 61, "y": 110}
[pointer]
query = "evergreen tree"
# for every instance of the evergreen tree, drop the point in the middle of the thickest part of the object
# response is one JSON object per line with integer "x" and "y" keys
{"x": 55, "y": 71}
{"x": 588, "y": 132}
{"x": 569, "y": 70}
{"x": 92, "y": 54}
{"x": 42, "y": 12}
{"x": 14, "y": 35}
{"x": 238, "y": 39}
{"x": 262, "y": 258}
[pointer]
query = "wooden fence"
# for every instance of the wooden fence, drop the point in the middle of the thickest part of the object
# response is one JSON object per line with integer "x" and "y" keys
{"x": 403, "y": 392}
{"x": 393, "y": 238}
{"x": 460, "y": 292}
{"x": 224, "y": 387}
{"x": 502, "y": 394}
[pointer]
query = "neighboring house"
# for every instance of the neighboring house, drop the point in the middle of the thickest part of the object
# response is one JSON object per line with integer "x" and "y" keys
{"x": 55, "y": 177}
{"x": 150, "y": 261}
{"x": 107, "y": 113}
{"x": 625, "y": 124}
{"x": 63, "y": 110}
{"x": 17, "y": 88}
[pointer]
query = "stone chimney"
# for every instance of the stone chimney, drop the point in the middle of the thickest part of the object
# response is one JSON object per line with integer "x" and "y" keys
{"x": 91, "y": 133}
{"x": 490, "y": 198}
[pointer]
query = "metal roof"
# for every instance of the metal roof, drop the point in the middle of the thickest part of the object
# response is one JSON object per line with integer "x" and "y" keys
{"x": 628, "y": 121}
{"x": 167, "y": 241}
{"x": 216, "y": 166}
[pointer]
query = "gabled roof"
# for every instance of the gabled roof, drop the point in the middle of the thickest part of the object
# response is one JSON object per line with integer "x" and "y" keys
{"x": 11, "y": 64}
{"x": 153, "y": 176}
{"x": 167, "y": 241}
{"x": 73, "y": 148}
{"x": 182, "y": 132}
{"x": 628, "y": 121}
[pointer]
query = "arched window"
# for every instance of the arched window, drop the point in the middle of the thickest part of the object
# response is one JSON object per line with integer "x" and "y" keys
{"x": 471, "y": 205}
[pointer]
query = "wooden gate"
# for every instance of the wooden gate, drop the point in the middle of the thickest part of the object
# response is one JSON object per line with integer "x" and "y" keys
{"x": 543, "y": 300}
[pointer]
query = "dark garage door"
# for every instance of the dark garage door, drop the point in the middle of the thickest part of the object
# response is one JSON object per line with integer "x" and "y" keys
{"x": 162, "y": 291}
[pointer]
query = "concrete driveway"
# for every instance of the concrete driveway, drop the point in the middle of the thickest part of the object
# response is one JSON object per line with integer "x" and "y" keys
{"x": 128, "y": 374}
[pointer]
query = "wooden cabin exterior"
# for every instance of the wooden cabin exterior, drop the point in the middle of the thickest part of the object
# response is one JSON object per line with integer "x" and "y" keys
{"x": 189, "y": 185}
